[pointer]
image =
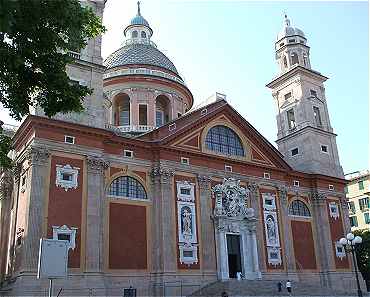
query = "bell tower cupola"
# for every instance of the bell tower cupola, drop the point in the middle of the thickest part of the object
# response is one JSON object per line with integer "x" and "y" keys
{"x": 305, "y": 136}
{"x": 291, "y": 48}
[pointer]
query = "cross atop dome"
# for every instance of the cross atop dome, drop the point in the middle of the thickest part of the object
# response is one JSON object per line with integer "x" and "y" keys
{"x": 286, "y": 20}
{"x": 138, "y": 24}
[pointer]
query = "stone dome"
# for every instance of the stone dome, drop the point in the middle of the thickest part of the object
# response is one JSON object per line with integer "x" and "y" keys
{"x": 289, "y": 30}
{"x": 139, "y": 20}
{"x": 139, "y": 54}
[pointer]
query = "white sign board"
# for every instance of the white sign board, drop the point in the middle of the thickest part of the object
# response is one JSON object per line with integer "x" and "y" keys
{"x": 53, "y": 258}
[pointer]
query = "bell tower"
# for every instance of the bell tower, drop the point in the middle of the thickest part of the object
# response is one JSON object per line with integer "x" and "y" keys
{"x": 305, "y": 136}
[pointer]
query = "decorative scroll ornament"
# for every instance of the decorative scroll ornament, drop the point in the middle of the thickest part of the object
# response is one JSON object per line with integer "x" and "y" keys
{"x": 96, "y": 164}
{"x": 231, "y": 199}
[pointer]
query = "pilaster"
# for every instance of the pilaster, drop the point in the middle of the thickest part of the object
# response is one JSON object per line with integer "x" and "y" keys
{"x": 94, "y": 213}
{"x": 164, "y": 233}
{"x": 206, "y": 226}
{"x": 288, "y": 240}
{"x": 38, "y": 158}
{"x": 323, "y": 240}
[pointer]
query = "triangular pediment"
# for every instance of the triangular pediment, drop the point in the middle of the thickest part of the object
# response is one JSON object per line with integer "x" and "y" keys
{"x": 191, "y": 137}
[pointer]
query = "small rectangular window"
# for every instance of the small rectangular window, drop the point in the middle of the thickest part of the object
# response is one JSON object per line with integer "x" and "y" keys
{"x": 361, "y": 185}
{"x": 351, "y": 207}
{"x": 367, "y": 218}
{"x": 331, "y": 188}
{"x": 159, "y": 118}
{"x": 364, "y": 203}
{"x": 143, "y": 114}
{"x": 66, "y": 176}
{"x": 295, "y": 151}
{"x": 353, "y": 221}
{"x": 179, "y": 114}
{"x": 228, "y": 168}
{"x": 291, "y": 40}
{"x": 288, "y": 95}
{"x": 281, "y": 44}
{"x": 324, "y": 148}
{"x": 266, "y": 175}
{"x": 291, "y": 119}
{"x": 296, "y": 183}
{"x": 185, "y": 191}
{"x": 313, "y": 93}
{"x": 204, "y": 111}
{"x": 128, "y": 153}
{"x": 62, "y": 236}
{"x": 69, "y": 139}
{"x": 23, "y": 181}
{"x": 185, "y": 161}
{"x": 317, "y": 116}
{"x": 301, "y": 41}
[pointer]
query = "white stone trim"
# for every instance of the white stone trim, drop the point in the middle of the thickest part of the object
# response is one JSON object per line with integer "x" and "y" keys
{"x": 269, "y": 197}
{"x": 186, "y": 237}
{"x": 188, "y": 248}
{"x": 274, "y": 256}
{"x": 341, "y": 253}
{"x": 334, "y": 210}
{"x": 68, "y": 231}
{"x": 271, "y": 229}
{"x": 66, "y": 169}
{"x": 185, "y": 185}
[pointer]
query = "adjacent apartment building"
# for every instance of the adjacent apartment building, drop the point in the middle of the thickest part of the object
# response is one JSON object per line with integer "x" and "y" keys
{"x": 358, "y": 192}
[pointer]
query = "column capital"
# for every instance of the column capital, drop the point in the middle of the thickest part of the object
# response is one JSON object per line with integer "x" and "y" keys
{"x": 164, "y": 174}
{"x": 253, "y": 187}
{"x": 37, "y": 155}
{"x": 96, "y": 164}
{"x": 283, "y": 194}
{"x": 16, "y": 171}
{"x": 204, "y": 181}
{"x": 318, "y": 198}
{"x": 6, "y": 185}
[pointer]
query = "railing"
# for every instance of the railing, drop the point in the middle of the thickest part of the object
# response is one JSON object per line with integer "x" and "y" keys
{"x": 139, "y": 40}
{"x": 129, "y": 128}
{"x": 74, "y": 55}
{"x": 143, "y": 71}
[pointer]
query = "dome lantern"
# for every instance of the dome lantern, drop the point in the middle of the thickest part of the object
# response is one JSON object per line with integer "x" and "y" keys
{"x": 139, "y": 28}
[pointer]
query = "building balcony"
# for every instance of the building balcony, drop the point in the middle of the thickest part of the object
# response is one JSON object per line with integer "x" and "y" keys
{"x": 74, "y": 55}
{"x": 130, "y": 128}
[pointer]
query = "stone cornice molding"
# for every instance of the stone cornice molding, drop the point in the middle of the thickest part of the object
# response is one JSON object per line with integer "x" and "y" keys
{"x": 96, "y": 164}
{"x": 37, "y": 155}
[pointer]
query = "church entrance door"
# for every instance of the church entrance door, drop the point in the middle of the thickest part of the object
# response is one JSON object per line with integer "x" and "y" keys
{"x": 234, "y": 255}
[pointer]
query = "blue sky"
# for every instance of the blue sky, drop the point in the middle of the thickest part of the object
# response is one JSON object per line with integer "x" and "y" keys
{"x": 228, "y": 46}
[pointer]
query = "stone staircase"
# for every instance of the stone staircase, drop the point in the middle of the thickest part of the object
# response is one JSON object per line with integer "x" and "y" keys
{"x": 242, "y": 288}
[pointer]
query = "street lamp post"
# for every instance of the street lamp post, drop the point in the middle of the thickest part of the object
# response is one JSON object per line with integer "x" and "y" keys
{"x": 349, "y": 243}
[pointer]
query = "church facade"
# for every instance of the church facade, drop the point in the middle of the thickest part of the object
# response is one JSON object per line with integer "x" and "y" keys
{"x": 147, "y": 189}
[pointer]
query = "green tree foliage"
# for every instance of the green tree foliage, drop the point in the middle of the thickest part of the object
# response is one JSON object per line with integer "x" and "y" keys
{"x": 363, "y": 255}
{"x": 35, "y": 37}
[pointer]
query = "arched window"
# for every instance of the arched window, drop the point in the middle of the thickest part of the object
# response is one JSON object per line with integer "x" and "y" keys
{"x": 299, "y": 208}
{"x": 162, "y": 110}
{"x": 134, "y": 34}
{"x": 285, "y": 62}
{"x": 143, "y": 34}
{"x": 224, "y": 140}
{"x": 294, "y": 59}
{"x": 122, "y": 110}
{"x": 128, "y": 187}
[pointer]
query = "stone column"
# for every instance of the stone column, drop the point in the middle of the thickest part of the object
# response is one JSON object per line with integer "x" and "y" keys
{"x": 206, "y": 225}
{"x": 288, "y": 240}
{"x": 253, "y": 262}
{"x": 94, "y": 213}
{"x": 323, "y": 238}
{"x": 39, "y": 162}
{"x": 256, "y": 205}
{"x": 221, "y": 249}
{"x": 163, "y": 221}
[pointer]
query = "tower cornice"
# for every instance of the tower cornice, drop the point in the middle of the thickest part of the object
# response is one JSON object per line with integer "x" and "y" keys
{"x": 294, "y": 71}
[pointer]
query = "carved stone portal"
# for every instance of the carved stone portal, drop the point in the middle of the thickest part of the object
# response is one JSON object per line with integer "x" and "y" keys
{"x": 233, "y": 218}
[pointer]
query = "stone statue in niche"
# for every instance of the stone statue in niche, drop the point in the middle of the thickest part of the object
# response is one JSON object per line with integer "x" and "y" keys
{"x": 271, "y": 231}
{"x": 231, "y": 199}
{"x": 186, "y": 222}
